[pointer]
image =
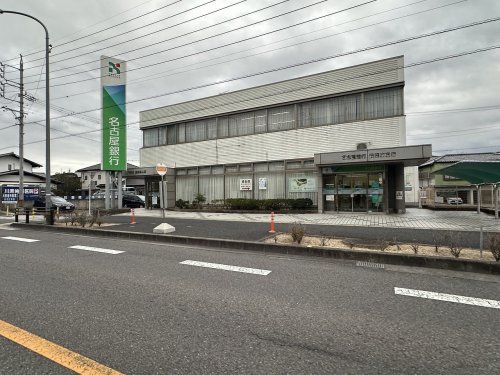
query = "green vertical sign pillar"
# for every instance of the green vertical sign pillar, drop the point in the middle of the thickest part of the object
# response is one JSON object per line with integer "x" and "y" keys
{"x": 114, "y": 125}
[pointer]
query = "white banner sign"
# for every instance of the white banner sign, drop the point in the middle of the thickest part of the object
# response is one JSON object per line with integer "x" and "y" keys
{"x": 246, "y": 184}
{"x": 302, "y": 184}
{"x": 263, "y": 183}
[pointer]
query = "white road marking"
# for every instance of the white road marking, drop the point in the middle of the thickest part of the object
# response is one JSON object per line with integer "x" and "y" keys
{"x": 448, "y": 297}
{"x": 20, "y": 239}
{"x": 97, "y": 249}
{"x": 7, "y": 226}
{"x": 225, "y": 267}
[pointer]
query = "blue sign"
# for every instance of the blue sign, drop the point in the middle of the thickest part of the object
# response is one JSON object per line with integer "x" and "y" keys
{"x": 10, "y": 193}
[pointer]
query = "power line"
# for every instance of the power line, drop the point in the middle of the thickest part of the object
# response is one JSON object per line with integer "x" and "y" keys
{"x": 162, "y": 75}
{"x": 419, "y": 63}
{"x": 455, "y": 110}
{"x": 108, "y": 28}
{"x": 307, "y": 62}
{"x": 455, "y": 28}
{"x": 86, "y": 27}
{"x": 132, "y": 30}
{"x": 195, "y": 31}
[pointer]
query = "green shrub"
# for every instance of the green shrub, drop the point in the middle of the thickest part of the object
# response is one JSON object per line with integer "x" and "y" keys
{"x": 268, "y": 204}
{"x": 301, "y": 203}
{"x": 199, "y": 199}
{"x": 180, "y": 203}
{"x": 242, "y": 204}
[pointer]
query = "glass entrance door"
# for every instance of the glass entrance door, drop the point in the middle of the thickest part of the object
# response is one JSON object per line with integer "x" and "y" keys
{"x": 359, "y": 184}
{"x": 344, "y": 193}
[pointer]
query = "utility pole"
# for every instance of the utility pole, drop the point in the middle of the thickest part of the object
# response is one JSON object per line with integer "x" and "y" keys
{"x": 20, "y": 118}
{"x": 20, "y": 202}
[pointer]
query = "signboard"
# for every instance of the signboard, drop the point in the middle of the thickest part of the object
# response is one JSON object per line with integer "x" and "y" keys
{"x": 374, "y": 155}
{"x": 263, "y": 183}
{"x": 330, "y": 198}
{"x": 10, "y": 193}
{"x": 399, "y": 195}
{"x": 161, "y": 169}
{"x": 114, "y": 135}
{"x": 246, "y": 184}
{"x": 302, "y": 184}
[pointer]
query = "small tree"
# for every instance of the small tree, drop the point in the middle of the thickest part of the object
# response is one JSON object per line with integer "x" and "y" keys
{"x": 83, "y": 219}
{"x": 414, "y": 246}
{"x": 383, "y": 244}
{"x": 454, "y": 244}
{"x": 199, "y": 199}
{"x": 298, "y": 231}
{"x": 435, "y": 241}
{"x": 495, "y": 246}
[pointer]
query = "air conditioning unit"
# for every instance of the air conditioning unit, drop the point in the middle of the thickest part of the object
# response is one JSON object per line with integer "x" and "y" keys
{"x": 362, "y": 146}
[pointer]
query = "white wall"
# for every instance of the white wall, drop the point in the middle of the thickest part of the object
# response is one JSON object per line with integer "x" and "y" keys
{"x": 14, "y": 162}
{"x": 291, "y": 144}
{"x": 86, "y": 183}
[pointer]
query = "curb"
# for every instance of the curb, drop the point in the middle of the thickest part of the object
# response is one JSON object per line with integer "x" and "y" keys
{"x": 486, "y": 267}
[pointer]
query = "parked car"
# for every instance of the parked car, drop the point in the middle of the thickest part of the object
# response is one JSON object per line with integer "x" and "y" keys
{"x": 454, "y": 200}
{"x": 57, "y": 203}
{"x": 132, "y": 201}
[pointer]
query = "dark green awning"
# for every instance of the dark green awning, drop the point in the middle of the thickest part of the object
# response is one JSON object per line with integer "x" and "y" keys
{"x": 476, "y": 172}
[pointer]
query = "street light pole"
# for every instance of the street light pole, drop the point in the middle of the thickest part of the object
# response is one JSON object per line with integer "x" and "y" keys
{"x": 47, "y": 111}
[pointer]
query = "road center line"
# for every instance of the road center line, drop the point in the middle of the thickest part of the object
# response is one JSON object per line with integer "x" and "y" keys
{"x": 20, "y": 239}
{"x": 225, "y": 267}
{"x": 62, "y": 356}
{"x": 448, "y": 297}
{"x": 96, "y": 249}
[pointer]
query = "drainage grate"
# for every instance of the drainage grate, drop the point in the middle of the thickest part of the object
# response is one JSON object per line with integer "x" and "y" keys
{"x": 369, "y": 264}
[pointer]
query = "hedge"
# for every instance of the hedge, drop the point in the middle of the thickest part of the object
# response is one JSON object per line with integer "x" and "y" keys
{"x": 268, "y": 204}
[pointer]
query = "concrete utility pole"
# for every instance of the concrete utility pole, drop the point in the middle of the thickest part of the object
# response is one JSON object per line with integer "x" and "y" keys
{"x": 20, "y": 201}
{"x": 18, "y": 115}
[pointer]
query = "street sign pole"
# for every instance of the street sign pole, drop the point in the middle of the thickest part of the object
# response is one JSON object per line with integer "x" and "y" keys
{"x": 162, "y": 197}
{"x": 161, "y": 169}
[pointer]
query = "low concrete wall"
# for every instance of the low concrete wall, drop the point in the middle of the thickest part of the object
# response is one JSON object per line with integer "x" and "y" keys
{"x": 378, "y": 257}
{"x": 83, "y": 204}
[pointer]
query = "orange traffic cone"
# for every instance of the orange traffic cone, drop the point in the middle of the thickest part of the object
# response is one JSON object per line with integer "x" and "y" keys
{"x": 272, "y": 229}
{"x": 132, "y": 216}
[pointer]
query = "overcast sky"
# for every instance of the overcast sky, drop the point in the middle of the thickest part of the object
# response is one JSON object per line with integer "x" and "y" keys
{"x": 459, "y": 83}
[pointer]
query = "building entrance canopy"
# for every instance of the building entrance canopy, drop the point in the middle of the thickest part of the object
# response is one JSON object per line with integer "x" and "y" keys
{"x": 410, "y": 156}
{"x": 369, "y": 180}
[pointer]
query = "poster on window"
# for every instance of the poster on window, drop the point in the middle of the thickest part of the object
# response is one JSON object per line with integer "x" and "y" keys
{"x": 263, "y": 183}
{"x": 302, "y": 184}
{"x": 246, "y": 184}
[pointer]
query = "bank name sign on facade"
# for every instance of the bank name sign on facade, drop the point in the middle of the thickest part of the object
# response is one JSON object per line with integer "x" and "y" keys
{"x": 114, "y": 125}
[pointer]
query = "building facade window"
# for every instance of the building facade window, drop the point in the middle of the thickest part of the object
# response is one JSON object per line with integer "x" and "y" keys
{"x": 368, "y": 105}
{"x": 281, "y": 118}
{"x": 151, "y": 137}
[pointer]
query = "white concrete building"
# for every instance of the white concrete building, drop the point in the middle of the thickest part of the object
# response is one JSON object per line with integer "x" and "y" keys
{"x": 314, "y": 137}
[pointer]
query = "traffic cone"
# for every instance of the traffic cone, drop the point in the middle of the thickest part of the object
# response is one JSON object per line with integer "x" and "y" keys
{"x": 132, "y": 216}
{"x": 272, "y": 229}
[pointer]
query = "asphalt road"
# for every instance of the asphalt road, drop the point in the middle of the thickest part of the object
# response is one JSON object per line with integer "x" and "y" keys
{"x": 255, "y": 231}
{"x": 143, "y": 312}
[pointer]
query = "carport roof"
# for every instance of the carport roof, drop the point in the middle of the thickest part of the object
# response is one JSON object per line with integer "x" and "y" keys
{"x": 476, "y": 172}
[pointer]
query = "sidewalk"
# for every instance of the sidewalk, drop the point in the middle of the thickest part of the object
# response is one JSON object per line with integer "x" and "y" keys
{"x": 414, "y": 218}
